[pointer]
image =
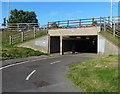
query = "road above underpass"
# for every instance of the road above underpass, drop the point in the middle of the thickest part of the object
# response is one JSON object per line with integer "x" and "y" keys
{"x": 43, "y": 75}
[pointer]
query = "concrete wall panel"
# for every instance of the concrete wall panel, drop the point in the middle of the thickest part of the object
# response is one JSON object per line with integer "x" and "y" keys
{"x": 106, "y": 47}
{"x": 74, "y": 31}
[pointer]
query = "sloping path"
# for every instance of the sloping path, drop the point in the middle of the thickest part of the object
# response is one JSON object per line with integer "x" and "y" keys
{"x": 47, "y": 75}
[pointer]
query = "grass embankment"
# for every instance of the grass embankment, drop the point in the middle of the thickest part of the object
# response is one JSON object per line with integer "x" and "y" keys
{"x": 12, "y": 51}
{"x": 96, "y": 75}
{"x": 110, "y": 37}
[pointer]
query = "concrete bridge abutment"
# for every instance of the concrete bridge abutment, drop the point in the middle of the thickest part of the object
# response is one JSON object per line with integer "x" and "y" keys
{"x": 80, "y": 40}
{"x": 72, "y": 39}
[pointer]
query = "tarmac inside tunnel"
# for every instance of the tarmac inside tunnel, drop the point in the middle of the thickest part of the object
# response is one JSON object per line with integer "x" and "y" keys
{"x": 74, "y": 44}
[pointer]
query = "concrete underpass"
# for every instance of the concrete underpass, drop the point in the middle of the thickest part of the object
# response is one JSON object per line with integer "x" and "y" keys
{"x": 73, "y": 40}
{"x": 73, "y": 44}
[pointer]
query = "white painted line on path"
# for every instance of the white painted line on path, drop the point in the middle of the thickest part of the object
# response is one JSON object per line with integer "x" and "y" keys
{"x": 30, "y": 74}
{"x": 55, "y": 62}
{"x": 20, "y": 63}
{"x": 39, "y": 59}
{"x": 13, "y": 65}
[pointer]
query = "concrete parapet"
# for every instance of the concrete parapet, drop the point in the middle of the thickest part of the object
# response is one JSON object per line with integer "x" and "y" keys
{"x": 75, "y": 31}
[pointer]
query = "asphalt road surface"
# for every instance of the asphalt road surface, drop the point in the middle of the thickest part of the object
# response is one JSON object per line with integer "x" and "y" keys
{"x": 43, "y": 75}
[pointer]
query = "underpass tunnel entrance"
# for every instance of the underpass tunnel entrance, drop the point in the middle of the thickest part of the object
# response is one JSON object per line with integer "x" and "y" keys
{"x": 80, "y": 44}
{"x": 73, "y": 44}
{"x": 55, "y": 44}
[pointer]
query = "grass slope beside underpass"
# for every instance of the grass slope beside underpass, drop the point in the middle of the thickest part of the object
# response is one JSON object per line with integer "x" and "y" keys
{"x": 11, "y": 51}
{"x": 96, "y": 75}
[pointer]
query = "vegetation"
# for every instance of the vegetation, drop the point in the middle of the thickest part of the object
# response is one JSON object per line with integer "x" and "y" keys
{"x": 20, "y": 16}
{"x": 96, "y": 75}
{"x": 11, "y": 51}
{"x": 110, "y": 37}
{"x": 6, "y": 33}
{"x": 5, "y": 36}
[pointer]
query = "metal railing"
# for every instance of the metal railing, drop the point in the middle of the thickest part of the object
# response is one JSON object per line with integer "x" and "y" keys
{"x": 104, "y": 22}
{"x": 23, "y": 36}
{"x": 112, "y": 26}
{"x": 32, "y": 29}
{"x": 81, "y": 22}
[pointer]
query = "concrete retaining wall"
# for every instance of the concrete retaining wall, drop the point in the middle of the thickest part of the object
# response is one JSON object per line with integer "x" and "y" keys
{"x": 40, "y": 44}
{"x": 106, "y": 47}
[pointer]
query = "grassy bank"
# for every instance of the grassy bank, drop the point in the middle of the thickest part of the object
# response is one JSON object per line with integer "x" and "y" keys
{"x": 6, "y": 34}
{"x": 110, "y": 37}
{"x": 96, "y": 75}
{"x": 11, "y": 51}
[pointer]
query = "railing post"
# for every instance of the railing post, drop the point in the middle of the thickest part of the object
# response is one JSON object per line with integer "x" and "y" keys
{"x": 68, "y": 23}
{"x": 34, "y": 33}
{"x": 100, "y": 21}
{"x": 113, "y": 29}
{"x": 28, "y": 26}
{"x": 80, "y": 23}
{"x": 104, "y": 25}
{"x": 10, "y": 40}
{"x": 22, "y": 36}
{"x": 58, "y": 23}
{"x": 48, "y": 25}
{"x": 92, "y": 21}
{"x": 18, "y": 26}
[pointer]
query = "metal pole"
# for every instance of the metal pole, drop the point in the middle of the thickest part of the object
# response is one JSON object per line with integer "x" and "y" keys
{"x": 104, "y": 25}
{"x": 111, "y": 12}
{"x": 114, "y": 29}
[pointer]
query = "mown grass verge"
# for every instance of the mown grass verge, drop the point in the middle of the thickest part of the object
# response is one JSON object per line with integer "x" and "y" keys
{"x": 96, "y": 75}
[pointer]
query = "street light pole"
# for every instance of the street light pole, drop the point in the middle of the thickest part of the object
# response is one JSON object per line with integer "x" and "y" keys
{"x": 111, "y": 11}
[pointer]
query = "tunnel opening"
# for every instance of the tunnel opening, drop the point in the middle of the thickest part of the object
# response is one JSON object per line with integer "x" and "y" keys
{"x": 74, "y": 44}
{"x": 55, "y": 44}
{"x": 80, "y": 44}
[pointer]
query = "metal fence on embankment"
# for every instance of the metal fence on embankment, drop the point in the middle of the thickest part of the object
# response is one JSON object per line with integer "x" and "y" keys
{"x": 32, "y": 30}
{"x": 23, "y": 36}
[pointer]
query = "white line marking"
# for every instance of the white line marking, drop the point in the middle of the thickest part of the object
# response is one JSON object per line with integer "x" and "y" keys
{"x": 30, "y": 74}
{"x": 19, "y": 63}
{"x": 13, "y": 65}
{"x": 39, "y": 59}
{"x": 55, "y": 62}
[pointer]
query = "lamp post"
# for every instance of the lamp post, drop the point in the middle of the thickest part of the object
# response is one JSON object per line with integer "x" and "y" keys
{"x": 111, "y": 12}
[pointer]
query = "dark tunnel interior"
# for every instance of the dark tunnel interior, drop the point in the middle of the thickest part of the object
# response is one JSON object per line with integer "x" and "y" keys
{"x": 81, "y": 44}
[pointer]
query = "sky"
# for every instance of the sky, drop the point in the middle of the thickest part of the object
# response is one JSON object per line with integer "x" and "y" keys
{"x": 60, "y": 0}
{"x": 55, "y": 11}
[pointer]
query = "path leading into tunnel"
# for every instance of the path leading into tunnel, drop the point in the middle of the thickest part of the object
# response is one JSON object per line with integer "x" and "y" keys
{"x": 42, "y": 75}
